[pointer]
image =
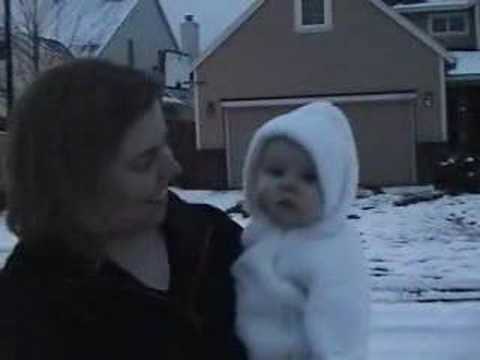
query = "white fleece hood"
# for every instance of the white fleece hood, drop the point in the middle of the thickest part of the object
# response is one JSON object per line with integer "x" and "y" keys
{"x": 303, "y": 293}
{"x": 324, "y": 132}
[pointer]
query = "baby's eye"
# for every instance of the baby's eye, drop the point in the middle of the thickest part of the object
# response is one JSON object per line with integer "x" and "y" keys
{"x": 275, "y": 172}
{"x": 310, "y": 178}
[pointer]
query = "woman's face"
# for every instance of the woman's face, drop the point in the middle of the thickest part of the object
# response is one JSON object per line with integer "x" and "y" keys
{"x": 134, "y": 184}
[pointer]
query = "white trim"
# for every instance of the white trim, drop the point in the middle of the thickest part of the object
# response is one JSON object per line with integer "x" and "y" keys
{"x": 196, "y": 107}
{"x": 298, "y": 18}
{"x": 433, "y": 6}
{"x": 443, "y": 101}
{"x": 226, "y": 126}
{"x": 413, "y": 160}
{"x": 414, "y": 30}
{"x": 447, "y": 17}
{"x": 229, "y": 31}
{"x": 306, "y": 100}
{"x": 463, "y": 78}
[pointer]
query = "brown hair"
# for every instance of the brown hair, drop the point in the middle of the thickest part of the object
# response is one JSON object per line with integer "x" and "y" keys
{"x": 63, "y": 130}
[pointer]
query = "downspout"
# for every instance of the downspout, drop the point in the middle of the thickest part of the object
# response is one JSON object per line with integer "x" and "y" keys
{"x": 476, "y": 13}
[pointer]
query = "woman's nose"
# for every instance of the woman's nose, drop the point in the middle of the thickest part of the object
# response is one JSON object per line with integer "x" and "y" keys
{"x": 172, "y": 167}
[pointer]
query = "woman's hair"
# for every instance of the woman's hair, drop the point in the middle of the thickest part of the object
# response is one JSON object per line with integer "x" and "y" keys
{"x": 63, "y": 131}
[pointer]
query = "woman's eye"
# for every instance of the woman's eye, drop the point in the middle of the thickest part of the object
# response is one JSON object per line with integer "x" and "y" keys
{"x": 310, "y": 178}
{"x": 143, "y": 163}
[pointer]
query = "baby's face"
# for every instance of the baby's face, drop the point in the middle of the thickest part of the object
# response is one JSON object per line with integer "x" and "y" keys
{"x": 287, "y": 188}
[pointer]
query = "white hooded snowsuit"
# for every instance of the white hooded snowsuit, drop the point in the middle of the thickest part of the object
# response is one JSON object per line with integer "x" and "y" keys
{"x": 304, "y": 293}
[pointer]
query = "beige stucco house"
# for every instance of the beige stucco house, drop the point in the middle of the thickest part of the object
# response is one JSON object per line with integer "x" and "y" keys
{"x": 387, "y": 74}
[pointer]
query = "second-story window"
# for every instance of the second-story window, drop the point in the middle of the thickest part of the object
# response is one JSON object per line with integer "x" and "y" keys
{"x": 313, "y": 15}
{"x": 449, "y": 24}
{"x": 313, "y": 12}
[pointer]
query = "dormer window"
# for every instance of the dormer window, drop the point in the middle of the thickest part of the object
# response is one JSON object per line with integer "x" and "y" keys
{"x": 449, "y": 24}
{"x": 313, "y": 15}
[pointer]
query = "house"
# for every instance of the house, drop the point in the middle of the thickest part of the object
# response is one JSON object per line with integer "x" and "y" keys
{"x": 130, "y": 32}
{"x": 387, "y": 74}
{"x": 456, "y": 25}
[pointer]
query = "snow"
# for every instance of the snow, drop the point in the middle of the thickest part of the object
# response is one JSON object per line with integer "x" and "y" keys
{"x": 425, "y": 332}
{"x": 425, "y": 252}
{"x": 76, "y": 24}
{"x": 7, "y": 240}
{"x": 434, "y": 5}
{"x": 214, "y": 16}
{"x": 85, "y": 27}
{"x": 424, "y": 262}
{"x": 87, "y": 22}
{"x": 468, "y": 63}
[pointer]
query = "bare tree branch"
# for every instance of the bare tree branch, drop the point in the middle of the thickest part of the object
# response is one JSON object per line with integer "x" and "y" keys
{"x": 35, "y": 48}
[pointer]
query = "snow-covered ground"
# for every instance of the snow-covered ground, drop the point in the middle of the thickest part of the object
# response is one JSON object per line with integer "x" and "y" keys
{"x": 424, "y": 262}
{"x": 428, "y": 251}
{"x": 425, "y": 331}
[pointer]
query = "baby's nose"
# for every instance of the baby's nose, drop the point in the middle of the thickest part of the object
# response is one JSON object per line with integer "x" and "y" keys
{"x": 288, "y": 185}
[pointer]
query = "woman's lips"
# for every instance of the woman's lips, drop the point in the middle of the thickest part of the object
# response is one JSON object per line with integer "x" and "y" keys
{"x": 160, "y": 198}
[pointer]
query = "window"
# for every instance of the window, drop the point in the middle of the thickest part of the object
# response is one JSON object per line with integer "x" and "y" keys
{"x": 313, "y": 15}
{"x": 449, "y": 24}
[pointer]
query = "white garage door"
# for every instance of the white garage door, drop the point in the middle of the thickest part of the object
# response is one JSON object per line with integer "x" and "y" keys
{"x": 383, "y": 126}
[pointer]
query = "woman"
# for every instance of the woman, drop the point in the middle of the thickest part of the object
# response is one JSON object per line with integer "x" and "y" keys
{"x": 109, "y": 264}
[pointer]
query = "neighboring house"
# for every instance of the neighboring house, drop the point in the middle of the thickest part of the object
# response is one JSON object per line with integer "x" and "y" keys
{"x": 385, "y": 73}
{"x": 129, "y": 32}
{"x": 456, "y": 24}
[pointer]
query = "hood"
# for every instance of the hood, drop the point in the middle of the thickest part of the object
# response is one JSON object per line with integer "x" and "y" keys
{"x": 324, "y": 132}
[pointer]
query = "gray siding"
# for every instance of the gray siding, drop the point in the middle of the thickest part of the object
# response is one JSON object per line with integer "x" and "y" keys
{"x": 367, "y": 52}
{"x": 149, "y": 32}
{"x": 455, "y": 42}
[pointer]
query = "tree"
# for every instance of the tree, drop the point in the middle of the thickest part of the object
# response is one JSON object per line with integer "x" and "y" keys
{"x": 33, "y": 41}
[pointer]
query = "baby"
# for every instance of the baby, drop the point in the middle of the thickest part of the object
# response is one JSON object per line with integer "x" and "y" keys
{"x": 301, "y": 282}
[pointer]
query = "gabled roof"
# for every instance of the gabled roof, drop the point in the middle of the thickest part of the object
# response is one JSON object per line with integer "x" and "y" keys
{"x": 214, "y": 16}
{"x": 434, "y": 5}
{"x": 414, "y": 30}
{"x": 467, "y": 66}
{"x": 231, "y": 29}
{"x": 84, "y": 26}
{"x": 387, "y": 10}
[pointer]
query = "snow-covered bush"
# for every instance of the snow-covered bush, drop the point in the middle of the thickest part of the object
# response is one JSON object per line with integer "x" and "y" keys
{"x": 458, "y": 173}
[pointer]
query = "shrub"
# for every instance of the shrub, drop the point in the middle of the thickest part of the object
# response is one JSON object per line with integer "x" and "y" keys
{"x": 458, "y": 173}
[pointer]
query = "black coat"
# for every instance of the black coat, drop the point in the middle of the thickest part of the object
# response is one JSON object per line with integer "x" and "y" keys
{"x": 56, "y": 306}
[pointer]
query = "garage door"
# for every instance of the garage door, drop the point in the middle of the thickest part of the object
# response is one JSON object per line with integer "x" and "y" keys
{"x": 383, "y": 127}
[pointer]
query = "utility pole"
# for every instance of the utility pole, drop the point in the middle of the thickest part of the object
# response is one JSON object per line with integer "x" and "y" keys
{"x": 8, "y": 53}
